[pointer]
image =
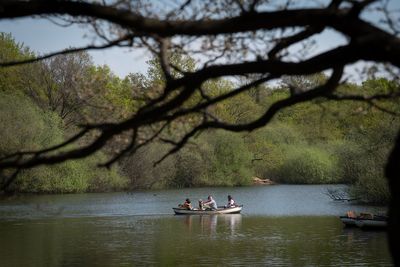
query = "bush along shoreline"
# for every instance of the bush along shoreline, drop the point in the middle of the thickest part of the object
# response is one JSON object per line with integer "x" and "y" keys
{"x": 317, "y": 142}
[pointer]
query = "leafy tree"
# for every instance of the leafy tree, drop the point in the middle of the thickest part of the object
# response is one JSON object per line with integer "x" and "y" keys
{"x": 26, "y": 127}
{"x": 140, "y": 170}
{"x": 229, "y": 160}
{"x": 309, "y": 165}
{"x": 13, "y": 78}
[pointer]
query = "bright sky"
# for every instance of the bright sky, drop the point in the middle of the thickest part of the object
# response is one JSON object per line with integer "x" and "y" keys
{"x": 42, "y": 36}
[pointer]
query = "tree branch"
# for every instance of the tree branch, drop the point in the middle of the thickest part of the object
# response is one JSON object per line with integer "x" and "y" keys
{"x": 66, "y": 51}
{"x": 288, "y": 41}
{"x": 322, "y": 90}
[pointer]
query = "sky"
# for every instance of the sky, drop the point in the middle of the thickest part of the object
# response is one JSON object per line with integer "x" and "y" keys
{"x": 42, "y": 36}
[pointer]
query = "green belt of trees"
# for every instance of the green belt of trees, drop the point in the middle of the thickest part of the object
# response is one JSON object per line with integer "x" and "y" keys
{"x": 317, "y": 142}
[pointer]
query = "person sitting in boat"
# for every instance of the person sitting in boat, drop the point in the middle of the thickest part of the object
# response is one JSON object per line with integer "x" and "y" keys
{"x": 201, "y": 204}
{"x": 186, "y": 205}
{"x": 210, "y": 203}
{"x": 231, "y": 202}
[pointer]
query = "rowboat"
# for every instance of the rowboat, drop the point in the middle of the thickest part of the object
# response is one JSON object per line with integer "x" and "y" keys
{"x": 220, "y": 210}
{"x": 364, "y": 220}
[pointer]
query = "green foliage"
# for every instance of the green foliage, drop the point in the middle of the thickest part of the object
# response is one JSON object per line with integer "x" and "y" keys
{"x": 267, "y": 144}
{"x": 356, "y": 136}
{"x": 191, "y": 165}
{"x": 304, "y": 83}
{"x": 26, "y": 127}
{"x": 309, "y": 165}
{"x": 229, "y": 160}
{"x": 312, "y": 142}
{"x": 370, "y": 188}
{"x": 69, "y": 177}
{"x": 349, "y": 155}
{"x": 369, "y": 183}
{"x": 214, "y": 159}
{"x": 140, "y": 169}
{"x": 75, "y": 176}
{"x": 17, "y": 78}
{"x": 112, "y": 93}
{"x": 182, "y": 62}
{"x": 101, "y": 179}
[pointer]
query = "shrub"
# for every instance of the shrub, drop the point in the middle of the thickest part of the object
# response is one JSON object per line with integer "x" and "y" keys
{"x": 229, "y": 160}
{"x": 371, "y": 185}
{"x": 308, "y": 165}
{"x": 69, "y": 177}
{"x": 267, "y": 144}
{"x": 101, "y": 179}
{"x": 349, "y": 155}
{"x": 140, "y": 170}
{"x": 190, "y": 166}
{"x": 26, "y": 127}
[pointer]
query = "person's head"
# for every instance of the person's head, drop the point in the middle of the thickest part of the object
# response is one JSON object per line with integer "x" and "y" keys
{"x": 229, "y": 197}
{"x": 209, "y": 197}
{"x": 188, "y": 200}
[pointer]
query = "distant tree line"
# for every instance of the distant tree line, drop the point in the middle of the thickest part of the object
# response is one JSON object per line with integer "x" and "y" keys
{"x": 315, "y": 142}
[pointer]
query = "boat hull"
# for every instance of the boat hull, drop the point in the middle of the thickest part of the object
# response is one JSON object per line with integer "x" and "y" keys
{"x": 233, "y": 210}
{"x": 348, "y": 221}
{"x": 378, "y": 223}
{"x": 371, "y": 224}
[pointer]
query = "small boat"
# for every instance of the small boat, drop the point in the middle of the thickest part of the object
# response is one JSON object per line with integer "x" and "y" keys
{"x": 364, "y": 220}
{"x": 220, "y": 210}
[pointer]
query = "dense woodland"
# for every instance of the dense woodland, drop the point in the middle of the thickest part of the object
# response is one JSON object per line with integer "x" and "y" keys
{"x": 315, "y": 142}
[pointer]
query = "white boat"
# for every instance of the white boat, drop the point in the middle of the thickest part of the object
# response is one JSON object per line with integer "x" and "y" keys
{"x": 220, "y": 210}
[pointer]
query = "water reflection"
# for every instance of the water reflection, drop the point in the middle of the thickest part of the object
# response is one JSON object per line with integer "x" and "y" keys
{"x": 208, "y": 224}
{"x": 212, "y": 224}
{"x": 283, "y": 200}
{"x": 139, "y": 229}
{"x": 227, "y": 240}
{"x": 233, "y": 221}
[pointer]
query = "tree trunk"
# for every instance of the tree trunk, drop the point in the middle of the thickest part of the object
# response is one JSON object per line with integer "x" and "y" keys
{"x": 392, "y": 174}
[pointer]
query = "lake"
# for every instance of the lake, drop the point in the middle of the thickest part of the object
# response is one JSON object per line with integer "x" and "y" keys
{"x": 280, "y": 225}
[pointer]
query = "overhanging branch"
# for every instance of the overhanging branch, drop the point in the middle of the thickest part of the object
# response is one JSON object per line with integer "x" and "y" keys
{"x": 322, "y": 90}
{"x": 67, "y": 51}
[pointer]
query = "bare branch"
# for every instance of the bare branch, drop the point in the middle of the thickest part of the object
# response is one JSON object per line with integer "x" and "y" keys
{"x": 322, "y": 90}
{"x": 220, "y": 98}
{"x": 122, "y": 153}
{"x": 50, "y": 149}
{"x": 164, "y": 62}
{"x": 288, "y": 41}
{"x": 368, "y": 99}
{"x": 66, "y": 51}
{"x": 148, "y": 26}
{"x": 8, "y": 180}
{"x": 358, "y": 6}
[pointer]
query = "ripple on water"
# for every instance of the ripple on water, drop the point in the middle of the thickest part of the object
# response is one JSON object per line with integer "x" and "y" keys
{"x": 280, "y": 226}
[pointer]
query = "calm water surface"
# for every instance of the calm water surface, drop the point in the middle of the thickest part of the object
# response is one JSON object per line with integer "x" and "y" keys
{"x": 281, "y": 225}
